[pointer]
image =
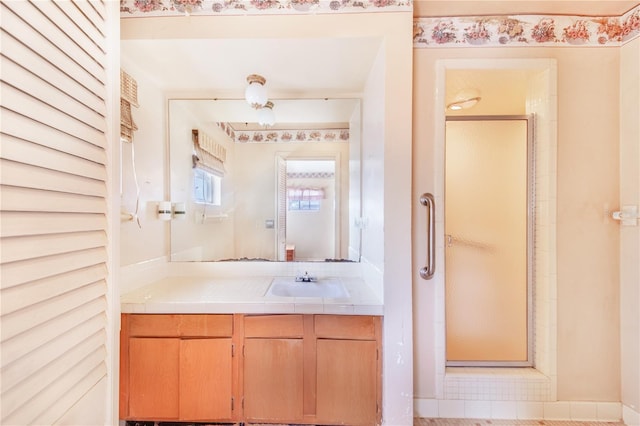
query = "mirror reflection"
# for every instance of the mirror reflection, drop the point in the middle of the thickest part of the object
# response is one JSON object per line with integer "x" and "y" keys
{"x": 286, "y": 192}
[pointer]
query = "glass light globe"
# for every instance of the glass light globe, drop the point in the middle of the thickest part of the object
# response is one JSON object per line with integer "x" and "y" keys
{"x": 266, "y": 117}
{"x": 256, "y": 93}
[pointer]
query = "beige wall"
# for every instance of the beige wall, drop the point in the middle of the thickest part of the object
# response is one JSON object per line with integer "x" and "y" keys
{"x": 630, "y": 235}
{"x": 587, "y": 272}
{"x": 150, "y": 240}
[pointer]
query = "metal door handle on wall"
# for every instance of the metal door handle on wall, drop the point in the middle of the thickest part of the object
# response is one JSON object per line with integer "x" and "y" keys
{"x": 427, "y": 200}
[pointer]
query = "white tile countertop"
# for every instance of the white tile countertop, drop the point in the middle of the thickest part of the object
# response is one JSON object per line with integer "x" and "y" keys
{"x": 243, "y": 295}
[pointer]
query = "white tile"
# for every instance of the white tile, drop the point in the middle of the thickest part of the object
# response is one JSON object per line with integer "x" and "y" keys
{"x": 448, "y": 408}
{"x": 440, "y": 382}
{"x": 584, "y": 410}
{"x": 557, "y": 411}
{"x": 280, "y": 308}
{"x": 338, "y": 309}
{"x": 630, "y": 416}
{"x": 368, "y": 309}
{"x": 529, "y": 410}
{"x": 609, "y": 411}
{"x": 307, "y": 308}
{"x": 427, "y": 408}
{"x": 477, "y": 409}
{"x": 504, "y": 410}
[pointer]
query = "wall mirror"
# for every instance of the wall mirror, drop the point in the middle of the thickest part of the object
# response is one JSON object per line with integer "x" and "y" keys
{"x": 277, "y": 193}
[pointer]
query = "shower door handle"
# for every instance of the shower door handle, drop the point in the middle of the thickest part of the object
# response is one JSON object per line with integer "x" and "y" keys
{"x": 429, "y": 269}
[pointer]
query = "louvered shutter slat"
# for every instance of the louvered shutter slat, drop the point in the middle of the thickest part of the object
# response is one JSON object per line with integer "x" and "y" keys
{"x": 16, "y": 273}
{"x": 22, "y": 296}
{"x": 57, "y": 39}
{"x": 28, "y": 365}
{"x": 33, "y": 40}
{"x": 28, "y": 199}
{"x": 13, "y": 50}
{"x": 23, "y": 127}
{"x": 36, "y": 155}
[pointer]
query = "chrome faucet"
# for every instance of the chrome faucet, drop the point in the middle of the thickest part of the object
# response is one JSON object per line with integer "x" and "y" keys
{"x": 306, "y": 278}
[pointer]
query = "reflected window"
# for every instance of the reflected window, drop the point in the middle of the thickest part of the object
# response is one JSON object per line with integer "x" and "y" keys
{"x": 306, "y": 199}
{"x": 206, "y": 187}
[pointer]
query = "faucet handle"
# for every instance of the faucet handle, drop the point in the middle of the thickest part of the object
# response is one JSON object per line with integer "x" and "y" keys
{"x": 306, "y": 278}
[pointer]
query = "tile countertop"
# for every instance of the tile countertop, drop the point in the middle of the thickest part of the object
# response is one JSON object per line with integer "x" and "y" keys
{"x": 190, "y": 294}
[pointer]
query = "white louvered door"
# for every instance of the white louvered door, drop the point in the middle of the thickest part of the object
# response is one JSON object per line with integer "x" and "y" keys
{"x": 53, "y": 207}
{"x": 281, "y": 240}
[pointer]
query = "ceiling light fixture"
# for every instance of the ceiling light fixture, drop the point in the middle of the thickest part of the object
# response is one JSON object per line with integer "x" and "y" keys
{"x": 465, "y": 99}
{"x": 256, "y": 93}
{"x": 266, "y": 117}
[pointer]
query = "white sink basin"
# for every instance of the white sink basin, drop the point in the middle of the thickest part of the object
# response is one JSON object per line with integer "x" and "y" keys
{"x": 323, "y": 287}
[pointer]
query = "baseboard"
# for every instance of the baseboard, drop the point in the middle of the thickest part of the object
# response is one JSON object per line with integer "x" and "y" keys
{"x": 630, "y": 416}
{"x": 521, "y": 410}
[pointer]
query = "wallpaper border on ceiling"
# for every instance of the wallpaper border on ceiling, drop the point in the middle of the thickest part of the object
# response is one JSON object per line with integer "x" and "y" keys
{"x": 526, "y": 30}
{"x": 279, "y": 136}
{"x": 139, "y": 8}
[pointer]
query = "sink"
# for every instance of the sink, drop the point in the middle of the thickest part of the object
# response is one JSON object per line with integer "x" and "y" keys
{"x": 323, "y": 287}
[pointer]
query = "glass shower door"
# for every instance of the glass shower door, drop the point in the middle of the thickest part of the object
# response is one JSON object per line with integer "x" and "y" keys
{"x": 487, "y": 197}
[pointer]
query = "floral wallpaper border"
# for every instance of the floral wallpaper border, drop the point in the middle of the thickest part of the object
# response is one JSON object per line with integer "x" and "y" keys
{"x": 138, "y": 8}
{"x": 311, "y": 175}
{"x": 279, "y": 136}
{"x": 487, "y": 31}
{"x": 526, "y": 30}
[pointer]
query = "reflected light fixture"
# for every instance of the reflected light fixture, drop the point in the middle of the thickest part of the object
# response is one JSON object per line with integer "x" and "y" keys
{"x": 256, "y": 93}
{"x": 266, "y": 117}
{"x": 465, "y": 99}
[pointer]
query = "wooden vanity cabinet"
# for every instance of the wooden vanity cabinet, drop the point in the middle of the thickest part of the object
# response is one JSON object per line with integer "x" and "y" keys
{"x": 317, "y": 369}
{"x": 273, "y": 370}
{"x": 176, "y": 367}
{"x": 348, "y": 366}
{"x": 289, "y": 368}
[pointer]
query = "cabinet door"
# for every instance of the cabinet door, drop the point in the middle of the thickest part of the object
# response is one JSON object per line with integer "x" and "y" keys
{"x": 153, "y": 378}
{"x": 273, "y": 379}
{"x": 205, "y": 379}
{"x": 346, "y": 381}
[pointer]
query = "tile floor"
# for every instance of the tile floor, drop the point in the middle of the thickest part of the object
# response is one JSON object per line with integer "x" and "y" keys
{"x": 480, "y": 422}
{"x": 417, "y": 422}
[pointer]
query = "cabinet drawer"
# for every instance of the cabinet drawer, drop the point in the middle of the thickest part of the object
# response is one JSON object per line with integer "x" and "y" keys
{"x": 273, "y": 326}
{"x": 164, "y": 325}
{"x": 345, "y": 327}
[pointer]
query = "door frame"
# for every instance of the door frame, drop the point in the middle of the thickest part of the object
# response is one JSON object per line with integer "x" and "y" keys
{"x": 531, "y": 191}
{"x": 545, "y": 325}
{"x": 281, "y": 159}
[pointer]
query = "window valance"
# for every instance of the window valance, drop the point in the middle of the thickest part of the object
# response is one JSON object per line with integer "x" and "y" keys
{"x": 128, "y": 98}
{"x": 207, "y": 153}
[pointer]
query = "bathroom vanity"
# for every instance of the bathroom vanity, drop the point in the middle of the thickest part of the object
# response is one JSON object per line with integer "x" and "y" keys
{"x": 269, "y": 365}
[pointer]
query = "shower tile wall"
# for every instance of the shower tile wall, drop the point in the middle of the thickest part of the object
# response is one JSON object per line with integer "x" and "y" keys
{"x": 494, "y": 384}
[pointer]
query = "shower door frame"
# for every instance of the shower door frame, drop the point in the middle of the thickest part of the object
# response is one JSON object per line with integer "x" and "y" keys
{"x": 530, "y": 246}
